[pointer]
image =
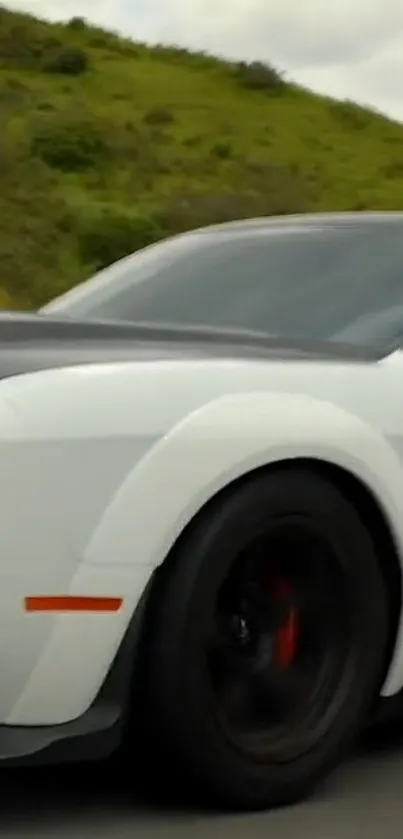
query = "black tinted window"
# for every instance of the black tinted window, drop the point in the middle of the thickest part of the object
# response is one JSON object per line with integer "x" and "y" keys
{"x": 340, "y": 283}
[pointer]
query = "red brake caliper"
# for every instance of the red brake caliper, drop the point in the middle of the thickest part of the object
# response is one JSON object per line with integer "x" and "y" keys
{"x": 286, "y": 638}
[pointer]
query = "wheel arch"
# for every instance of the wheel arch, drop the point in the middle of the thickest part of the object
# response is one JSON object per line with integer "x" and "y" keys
{"x": 356, "y": 492}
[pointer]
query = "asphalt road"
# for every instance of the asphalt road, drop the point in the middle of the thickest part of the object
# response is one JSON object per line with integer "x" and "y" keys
{"x": 364, "y": 799}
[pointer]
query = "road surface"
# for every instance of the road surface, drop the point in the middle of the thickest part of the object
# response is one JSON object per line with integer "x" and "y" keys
{"x": 364, "y": 799}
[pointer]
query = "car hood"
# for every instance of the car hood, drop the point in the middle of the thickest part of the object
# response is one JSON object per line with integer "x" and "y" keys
{"x": 34, "y": 341}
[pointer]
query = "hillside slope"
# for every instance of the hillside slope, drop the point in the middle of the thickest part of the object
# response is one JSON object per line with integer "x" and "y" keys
{"x": 107, "y": 145}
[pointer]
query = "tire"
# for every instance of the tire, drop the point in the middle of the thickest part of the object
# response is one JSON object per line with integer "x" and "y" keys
{"x": 250, "y": 765}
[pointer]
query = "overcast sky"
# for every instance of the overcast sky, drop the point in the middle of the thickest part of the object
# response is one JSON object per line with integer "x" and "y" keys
{"x": 347, "y": 48}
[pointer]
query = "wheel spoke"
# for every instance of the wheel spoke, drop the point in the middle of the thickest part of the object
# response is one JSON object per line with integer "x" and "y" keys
{"x": 276, "y": 651}
{"x": 227, "y": 657}
{"x": 266, "y": 615}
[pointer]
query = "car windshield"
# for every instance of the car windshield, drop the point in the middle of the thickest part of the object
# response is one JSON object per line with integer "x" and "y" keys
{"x": 341, "y": 282}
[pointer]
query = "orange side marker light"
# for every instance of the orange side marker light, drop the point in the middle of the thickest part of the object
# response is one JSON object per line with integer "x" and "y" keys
{"x": 72, "y": 603}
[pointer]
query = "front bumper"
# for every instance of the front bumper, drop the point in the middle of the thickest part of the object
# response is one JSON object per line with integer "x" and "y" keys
{"x": 98, "y": 732}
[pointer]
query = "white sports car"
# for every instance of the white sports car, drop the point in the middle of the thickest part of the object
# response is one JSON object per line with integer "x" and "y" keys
{"x": 201, "y": 461}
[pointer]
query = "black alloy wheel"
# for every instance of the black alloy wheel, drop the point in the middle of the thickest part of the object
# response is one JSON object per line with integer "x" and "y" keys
{"x": 268, "y": 641}
{"x": 280, "y": 658}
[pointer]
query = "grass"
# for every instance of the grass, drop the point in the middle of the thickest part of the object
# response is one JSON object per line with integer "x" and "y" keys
{"x": 107, "y": 145}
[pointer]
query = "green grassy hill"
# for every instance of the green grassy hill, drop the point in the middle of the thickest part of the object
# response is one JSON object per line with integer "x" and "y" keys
{"x": 107, "y": 144}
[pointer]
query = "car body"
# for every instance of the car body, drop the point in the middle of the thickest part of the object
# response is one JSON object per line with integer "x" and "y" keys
{"x": 131, "y": 405}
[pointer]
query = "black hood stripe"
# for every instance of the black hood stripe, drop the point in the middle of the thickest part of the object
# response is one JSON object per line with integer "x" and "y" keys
{"x": 30, "y": 342}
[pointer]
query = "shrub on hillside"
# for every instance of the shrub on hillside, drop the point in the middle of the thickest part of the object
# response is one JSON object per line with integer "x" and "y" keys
{"x": 28, "y": 45}
{"x": 281, "y": 188}
{"x": 69, "y": 144}
{"x": 159, "y": 116}
{"x": 77, "y": 24}
{"x": 36, "y": 231}
{"x": 350, "y": 115}
{"x": 110, "y": 235}
{"x": 260, "y": 76}
{"x": 13, "y": 94}
{"x": 189, "y": 211}
{"x": 393, "y": 168}
{"x": 221, "y": 150}
{"x": 182, "y": 55}
{"x": 282, "y": 192}
{"x": 71, "y": 61}
{"x": 23, "y": 44}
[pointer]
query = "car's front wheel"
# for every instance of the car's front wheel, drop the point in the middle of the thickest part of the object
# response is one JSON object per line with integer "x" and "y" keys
{"x": 268, "y": 641}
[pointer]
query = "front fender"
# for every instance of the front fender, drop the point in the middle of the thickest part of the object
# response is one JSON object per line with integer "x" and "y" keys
{"x": 224, "y": 440}
{"x": 218, "y": 443}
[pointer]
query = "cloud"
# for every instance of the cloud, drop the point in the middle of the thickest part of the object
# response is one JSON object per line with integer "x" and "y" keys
{"x": 351, "y": 49}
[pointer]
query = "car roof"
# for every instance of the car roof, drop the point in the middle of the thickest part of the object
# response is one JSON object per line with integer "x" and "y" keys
{"x": 360, "y": 220}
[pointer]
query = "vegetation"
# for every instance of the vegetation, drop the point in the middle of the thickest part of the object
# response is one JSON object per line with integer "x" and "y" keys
{"x": 107, "y": 145}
